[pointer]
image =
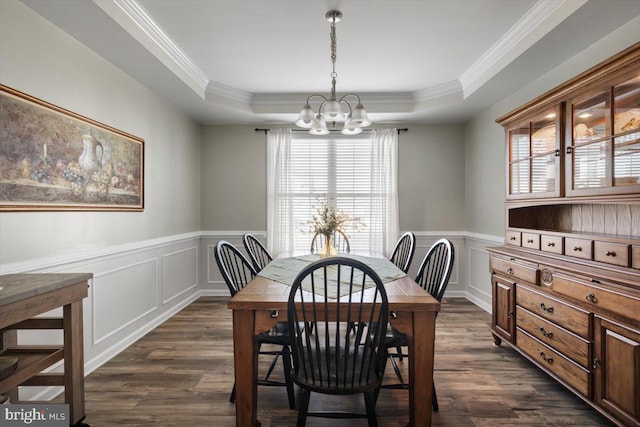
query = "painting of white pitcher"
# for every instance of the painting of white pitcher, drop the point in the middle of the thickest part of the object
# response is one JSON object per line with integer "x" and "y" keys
{"x": 89, "y": 159}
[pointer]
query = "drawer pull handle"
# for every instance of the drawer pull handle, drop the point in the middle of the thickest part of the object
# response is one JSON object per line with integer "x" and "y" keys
{"x": 596, "y": 363}
{"x": 545, "y": 358}
{"x": 512, "y": 238}
{"x": 529, "y": 240}
{"x": 591, "y": 297}
{"x": 545, "y": 308}
{"x": 545, "y": 333}
{"x": 510, "y": 270}
{"x": 274, "y": 314}
{"x": 610, "y": 253}
{"x": 551, "y": 244}
{"x": 577, "y": 249}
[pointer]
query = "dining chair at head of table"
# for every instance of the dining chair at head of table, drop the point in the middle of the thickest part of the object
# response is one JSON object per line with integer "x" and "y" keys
{"x": 333, "y": 359}
{"x": 339, "y": 241}
{"x": 433, "y": 275}
{"x": 259, "y": 255}
{"x": 237, "y": 272}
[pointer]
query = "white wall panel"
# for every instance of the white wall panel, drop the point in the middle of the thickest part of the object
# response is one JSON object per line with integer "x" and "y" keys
{"x": 122, "y": 296}
{"x": 179, "y": 273}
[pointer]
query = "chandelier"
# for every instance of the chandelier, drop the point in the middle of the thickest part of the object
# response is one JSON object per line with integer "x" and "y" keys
{"x": 331, "y": 109}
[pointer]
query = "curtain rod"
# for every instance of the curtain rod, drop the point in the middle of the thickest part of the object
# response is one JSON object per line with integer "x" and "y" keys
{"x": 330, "y": 130}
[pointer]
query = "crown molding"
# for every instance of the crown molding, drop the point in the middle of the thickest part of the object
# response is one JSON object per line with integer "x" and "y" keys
{"x": 535, "y": 24}
{"x": 134, "y": 19}
{"x": 215, "y": 89}
{"x": 438, "y": 91}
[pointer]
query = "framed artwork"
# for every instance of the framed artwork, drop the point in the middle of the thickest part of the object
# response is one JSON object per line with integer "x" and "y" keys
{"x": 53, "y": 159}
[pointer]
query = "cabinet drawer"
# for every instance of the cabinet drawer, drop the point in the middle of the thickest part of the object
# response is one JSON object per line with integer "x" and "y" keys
{"x": 579, "y": 248}
{"x": 531, "y": 240}
{"x": 567, "y": 343}
{"x": 515, "y": 269}
{"x": 512, "y": 238}
{"x": 567, "y": 316}
{"x": 574, "y": 375}
{"x": 635, "y": 257}
{"x": 611, "y": 253}
{"x": 613, "y": 298}
{"x": 551, "y": 244}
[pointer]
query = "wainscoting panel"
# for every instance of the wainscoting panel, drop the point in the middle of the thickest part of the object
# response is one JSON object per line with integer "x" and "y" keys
{"x": 179, "y": 273}
{"x": 478, "y": 278}
{"x": 122, "y": 296}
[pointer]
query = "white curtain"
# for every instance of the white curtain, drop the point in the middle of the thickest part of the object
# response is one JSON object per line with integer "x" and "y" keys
{"x": 279, "y": 186}
{"x": 384, "y": 183}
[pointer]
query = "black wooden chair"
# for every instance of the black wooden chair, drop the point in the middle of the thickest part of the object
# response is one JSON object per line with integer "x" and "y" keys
{"x": 237, "y": 272}
{"x": 402, "y": 254}
{"x": 332, "y": 359}
{"x": 433, "y": 276}
{"x": 259, "y": 255}
{"x": 339, "y": 241}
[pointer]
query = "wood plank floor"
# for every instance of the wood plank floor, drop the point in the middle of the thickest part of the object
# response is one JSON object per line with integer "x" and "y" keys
{"x": 181, "y": 374}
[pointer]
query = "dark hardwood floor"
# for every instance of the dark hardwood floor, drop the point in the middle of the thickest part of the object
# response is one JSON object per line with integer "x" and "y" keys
{"x": 181, "y": 374}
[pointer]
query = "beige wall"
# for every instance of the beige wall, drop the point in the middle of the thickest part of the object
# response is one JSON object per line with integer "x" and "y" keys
{"x": 234, "y": 178}
{"x": 41, "y": 60}
{"x": 430, "y": 181}
{"x": 485, "y": 153}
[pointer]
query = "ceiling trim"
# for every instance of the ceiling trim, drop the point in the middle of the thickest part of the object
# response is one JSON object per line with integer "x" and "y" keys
{"x": 437, "y": 91}
{"x": 134, "y": 19}
{"x": 535, "y": 24}
{"x": 538, "y": 21}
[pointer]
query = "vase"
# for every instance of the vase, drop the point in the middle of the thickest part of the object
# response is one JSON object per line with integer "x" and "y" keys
{"x": 328, "y": 250}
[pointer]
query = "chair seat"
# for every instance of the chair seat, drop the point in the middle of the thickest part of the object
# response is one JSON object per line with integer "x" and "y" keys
{"x": 339, "y": 380}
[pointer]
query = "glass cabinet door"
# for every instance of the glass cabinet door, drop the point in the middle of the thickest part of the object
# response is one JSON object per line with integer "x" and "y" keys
{"x": 604, "y": 149}
{"x": 626, "y": 126}
{"x": 533, "y": 157}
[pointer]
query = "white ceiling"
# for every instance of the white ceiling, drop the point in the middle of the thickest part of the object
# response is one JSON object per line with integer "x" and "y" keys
{"x": 256, "y": 61}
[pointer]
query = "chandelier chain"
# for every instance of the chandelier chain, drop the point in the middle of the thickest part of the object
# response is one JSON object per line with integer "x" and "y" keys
{"x": 333, "y": 48}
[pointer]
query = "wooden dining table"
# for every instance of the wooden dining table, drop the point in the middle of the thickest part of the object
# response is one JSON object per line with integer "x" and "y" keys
{"x": 263, "y": 302}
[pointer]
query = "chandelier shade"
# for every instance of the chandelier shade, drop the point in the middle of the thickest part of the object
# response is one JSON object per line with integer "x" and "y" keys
{"x": 332, "y": 109}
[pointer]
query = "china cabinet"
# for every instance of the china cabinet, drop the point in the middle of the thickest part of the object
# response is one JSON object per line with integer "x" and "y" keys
{"x": 566, "y": 282}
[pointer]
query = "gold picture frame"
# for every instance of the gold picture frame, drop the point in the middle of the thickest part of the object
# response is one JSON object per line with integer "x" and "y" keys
{"x": 52, "y": 159}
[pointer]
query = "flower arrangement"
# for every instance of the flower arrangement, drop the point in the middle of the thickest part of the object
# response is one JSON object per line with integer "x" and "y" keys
{"x": 327, "y": 220}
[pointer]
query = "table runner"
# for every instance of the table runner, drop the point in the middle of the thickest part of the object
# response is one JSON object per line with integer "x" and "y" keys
{"x": 285, "y": 270}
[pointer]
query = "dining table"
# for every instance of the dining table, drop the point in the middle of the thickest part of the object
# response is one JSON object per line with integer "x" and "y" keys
{"x": 263, "y": 302}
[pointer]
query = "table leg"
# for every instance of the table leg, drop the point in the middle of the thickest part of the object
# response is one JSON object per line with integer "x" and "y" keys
{"x": 246, "y": 368}
{"x": 421, "y": 350}
{"x": 74, "y": 361}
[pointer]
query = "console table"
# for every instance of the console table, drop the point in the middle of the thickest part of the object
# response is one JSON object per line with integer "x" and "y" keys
{"x": 24, "y": 296}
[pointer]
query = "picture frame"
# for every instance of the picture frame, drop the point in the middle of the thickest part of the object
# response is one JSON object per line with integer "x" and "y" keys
{"x": 52, "y": 159}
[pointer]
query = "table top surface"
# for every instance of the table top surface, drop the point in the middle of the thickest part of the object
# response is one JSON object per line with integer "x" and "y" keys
{"x": 262, "y": 293}
{"x": 16, "y": 287}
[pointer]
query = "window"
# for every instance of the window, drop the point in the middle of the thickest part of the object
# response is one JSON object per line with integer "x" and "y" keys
{"x": 357, "y": 174}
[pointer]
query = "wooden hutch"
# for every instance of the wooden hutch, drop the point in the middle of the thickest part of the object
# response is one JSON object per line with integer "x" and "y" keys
{"x": 566, "y": 283}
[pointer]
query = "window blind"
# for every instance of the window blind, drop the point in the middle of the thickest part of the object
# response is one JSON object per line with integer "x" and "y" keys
{"x": 339, "y": 168}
